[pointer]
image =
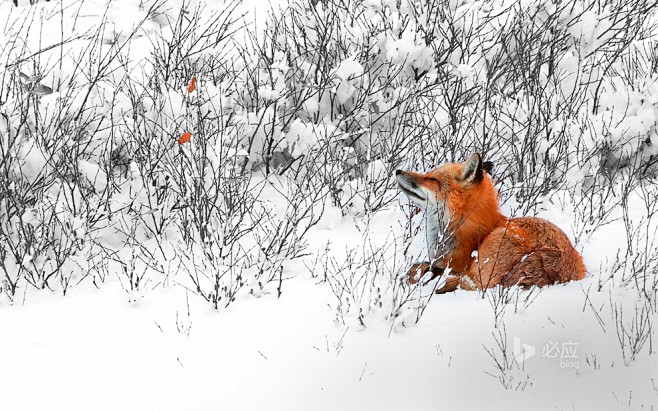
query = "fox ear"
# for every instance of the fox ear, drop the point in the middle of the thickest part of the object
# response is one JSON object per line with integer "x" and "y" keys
{"x": 472, "y": 171}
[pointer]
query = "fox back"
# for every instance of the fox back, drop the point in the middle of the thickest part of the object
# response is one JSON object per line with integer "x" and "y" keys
{"x": 483, "y": 248}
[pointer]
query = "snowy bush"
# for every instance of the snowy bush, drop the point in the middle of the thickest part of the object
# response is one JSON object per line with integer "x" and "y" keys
{"x": 234, "y": 149}
{"x": 531, "y": 85}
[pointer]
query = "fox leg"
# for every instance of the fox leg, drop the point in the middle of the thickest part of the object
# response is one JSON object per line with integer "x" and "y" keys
{"x": 456, "y": 282}
{"x": 451, "y": 284}
{"x": 418, "y": 270}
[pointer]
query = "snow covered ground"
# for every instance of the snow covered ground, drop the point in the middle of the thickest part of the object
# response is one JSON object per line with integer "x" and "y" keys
{"x": 586, "y": 345}
{"x": 93, "y": 350}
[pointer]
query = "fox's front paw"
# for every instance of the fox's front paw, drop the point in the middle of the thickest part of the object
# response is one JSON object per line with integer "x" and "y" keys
{"x": 418, "y": 271}
{"x": 451, "y": 284}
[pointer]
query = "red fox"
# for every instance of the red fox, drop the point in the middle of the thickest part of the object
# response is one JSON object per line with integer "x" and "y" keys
{"x": 483, "y": 248}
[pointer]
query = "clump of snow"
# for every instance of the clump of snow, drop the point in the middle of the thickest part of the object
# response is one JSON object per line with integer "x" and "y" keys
{"x": 94, "y": 174}
{"x": 301, "y": 137}
{"x": 410, "y": 51}
{"x": 33, "y": 161}
{"x": 349, "y": 74}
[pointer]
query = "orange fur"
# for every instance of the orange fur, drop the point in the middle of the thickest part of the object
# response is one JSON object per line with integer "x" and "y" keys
{"x": 510, "y": 251}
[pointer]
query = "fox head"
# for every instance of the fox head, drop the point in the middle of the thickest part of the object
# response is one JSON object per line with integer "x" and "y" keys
{"x": 459, "y": 201}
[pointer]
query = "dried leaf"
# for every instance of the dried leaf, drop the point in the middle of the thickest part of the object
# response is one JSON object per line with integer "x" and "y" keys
{"x": 27, "y": 80}
{"x": 41, "y": 90}
{"x": 185, "y": 138}
{"x": 192, "y": 86}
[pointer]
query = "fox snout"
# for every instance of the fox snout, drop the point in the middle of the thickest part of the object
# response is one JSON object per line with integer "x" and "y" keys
{"x": 409, "y": 186}
{"x": 405, "y": 181}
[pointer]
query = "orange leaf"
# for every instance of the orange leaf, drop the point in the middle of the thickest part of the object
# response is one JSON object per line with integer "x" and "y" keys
{"x": 185, "y": 138}
{"x": 192, "y": 86}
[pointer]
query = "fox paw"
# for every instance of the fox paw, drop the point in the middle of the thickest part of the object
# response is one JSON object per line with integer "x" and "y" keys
{"x": 451, "y": 284}
{"x": 418, "y": 271}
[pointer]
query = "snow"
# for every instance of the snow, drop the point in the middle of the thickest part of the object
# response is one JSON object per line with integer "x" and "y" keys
{"x": 94, "y": 350}
{"x": 34, "y": 161}
{"x": 93, "y": 173}
{"x": 348, "y": 72}
{"x": 345, "y": 331}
